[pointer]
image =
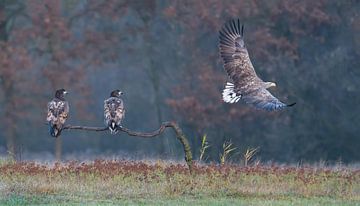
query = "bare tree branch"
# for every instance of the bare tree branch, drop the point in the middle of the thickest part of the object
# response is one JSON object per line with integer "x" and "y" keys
{"x": 179, "y": 135}
{"x": 98, "y": 129}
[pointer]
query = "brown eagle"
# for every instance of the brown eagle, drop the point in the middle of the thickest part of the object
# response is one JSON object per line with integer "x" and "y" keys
{"x": 114, "y": 111}
{"x": 58, "y": 110}
{"x": 245, "y": 84}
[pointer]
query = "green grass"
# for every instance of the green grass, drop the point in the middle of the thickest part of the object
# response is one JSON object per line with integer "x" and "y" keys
{"x": 206, "y": 201}
{"x": 138, "y": 183}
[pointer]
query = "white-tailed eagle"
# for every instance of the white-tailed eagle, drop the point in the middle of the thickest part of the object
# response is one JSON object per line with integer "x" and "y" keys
{"x": 245, "y": 84}
{"x": 58, "y": 110}
{"x": 114, "y": 111}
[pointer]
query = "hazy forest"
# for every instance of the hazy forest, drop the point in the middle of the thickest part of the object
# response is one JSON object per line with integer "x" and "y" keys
{"x": 164, "y": 56}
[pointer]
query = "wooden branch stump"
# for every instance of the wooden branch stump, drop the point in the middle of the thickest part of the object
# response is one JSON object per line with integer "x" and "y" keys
{"x": 179, "y": 135}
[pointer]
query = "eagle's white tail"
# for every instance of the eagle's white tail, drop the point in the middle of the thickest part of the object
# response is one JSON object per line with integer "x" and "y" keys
{"x": 113, "y": 128}
{"x": 229, "y": 95}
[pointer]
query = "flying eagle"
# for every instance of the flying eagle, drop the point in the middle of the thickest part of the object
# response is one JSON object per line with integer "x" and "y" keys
{"x": 58, "y": 110}
{"x": 114, "y": 111}
{"x": 245, "y": 84}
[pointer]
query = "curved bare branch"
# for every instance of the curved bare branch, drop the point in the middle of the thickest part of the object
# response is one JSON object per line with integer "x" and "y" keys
{"x": 179, "y": 135}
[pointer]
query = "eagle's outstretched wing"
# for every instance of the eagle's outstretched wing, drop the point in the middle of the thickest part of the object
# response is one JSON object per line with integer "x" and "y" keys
{"x": 236, "y": 59}
{"x": 57, "y": 115}
{"x": 246, "y": 84}
{"x": 114, "y": 113}
{"x": 263, "y": 99}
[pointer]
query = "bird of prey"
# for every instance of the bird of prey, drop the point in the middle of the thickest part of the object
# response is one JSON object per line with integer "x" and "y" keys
{"x": 58, "y": 110}
{"x": 114, "y": 111}
{"x": 244, "y": 84}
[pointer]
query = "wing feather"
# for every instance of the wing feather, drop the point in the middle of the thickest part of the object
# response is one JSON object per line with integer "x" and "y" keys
{"x": 263, "y": 99}
{"x": 236, "y": 59}
{"x": 114, "y": 110}
{"x": 51, "y": 114}
{"x": 107, "y": 114}
{"x": 63, "y": 112}
{"x": 57, "y": 113}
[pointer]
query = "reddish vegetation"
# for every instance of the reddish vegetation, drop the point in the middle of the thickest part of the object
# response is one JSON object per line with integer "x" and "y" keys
{"x": 112, "y": 168}
{"x": 129, "y": 179}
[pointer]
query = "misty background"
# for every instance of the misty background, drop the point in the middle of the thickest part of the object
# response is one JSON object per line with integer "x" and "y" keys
{"x": 164, "y": 56}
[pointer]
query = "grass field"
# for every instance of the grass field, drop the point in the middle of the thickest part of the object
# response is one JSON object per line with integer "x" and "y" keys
{"x": 141, "y": 183}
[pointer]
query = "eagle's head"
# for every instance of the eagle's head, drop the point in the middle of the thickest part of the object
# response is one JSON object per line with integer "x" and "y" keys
{"x": 116, "y": 93}
{"x": 270, "y": 84}
{"x": 60, "y": 94}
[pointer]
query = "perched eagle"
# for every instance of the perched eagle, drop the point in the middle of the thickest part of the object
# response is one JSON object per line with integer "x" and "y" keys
{"x": 245, "y": 84}
{"x": 58, "y": 110}
{"x": 114, "y": 111}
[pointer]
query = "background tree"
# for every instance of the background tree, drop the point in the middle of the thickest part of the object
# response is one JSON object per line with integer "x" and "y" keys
{"x": 285, "y": 40}
{"x": 13, "y": 60}
{"x": 164, "y": 56}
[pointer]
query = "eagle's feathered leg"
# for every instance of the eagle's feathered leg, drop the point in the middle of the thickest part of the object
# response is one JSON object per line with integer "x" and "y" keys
{"x": 54, "y": 130}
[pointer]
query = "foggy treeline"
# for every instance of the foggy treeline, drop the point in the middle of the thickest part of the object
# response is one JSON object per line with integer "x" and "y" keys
{"x": 164, "y": 56}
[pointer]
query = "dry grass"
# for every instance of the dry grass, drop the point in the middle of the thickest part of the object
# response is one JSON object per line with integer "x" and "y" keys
{"x": 114, "y": 180}
{"x": 204, "y": 146}
{"x": 227, "y": 150}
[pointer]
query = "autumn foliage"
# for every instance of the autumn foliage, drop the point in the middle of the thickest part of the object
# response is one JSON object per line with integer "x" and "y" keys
{"x": 164, "y": 56}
